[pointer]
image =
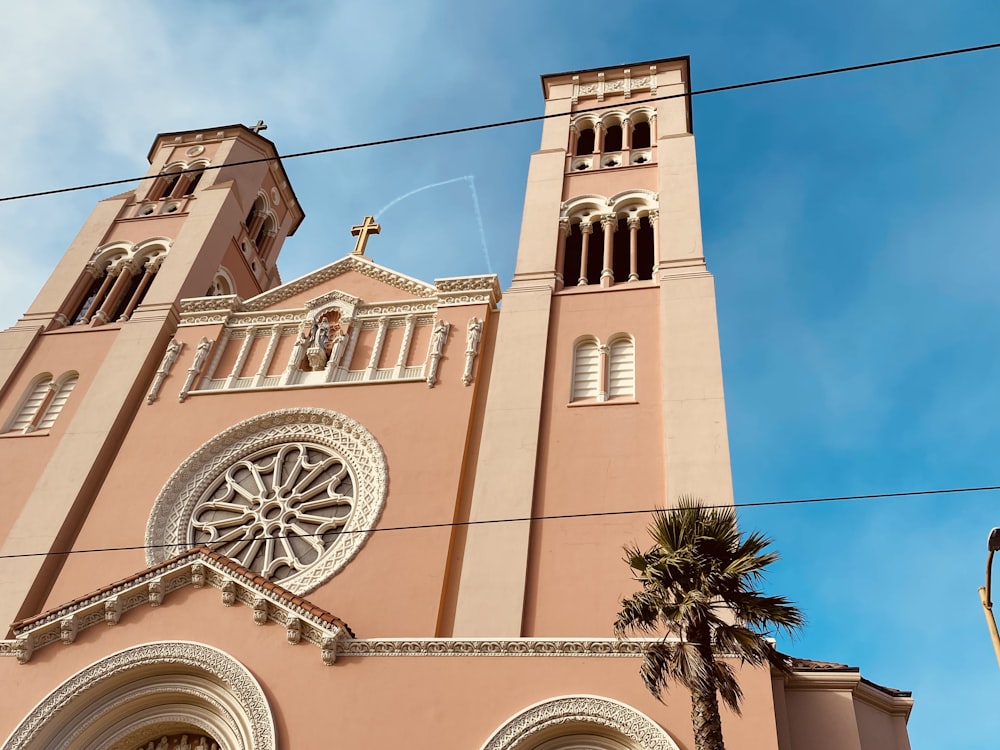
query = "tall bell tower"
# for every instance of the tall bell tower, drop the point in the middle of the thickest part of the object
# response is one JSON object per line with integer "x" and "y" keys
{"x": 209, "y": 218}
{"x": 606, "y": 388}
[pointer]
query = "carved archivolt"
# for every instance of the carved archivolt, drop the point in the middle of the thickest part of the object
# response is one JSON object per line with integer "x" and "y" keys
{"x": 338, "y": 467}
{"x": 174, "y": 683}
{"x": 580, "y": 715}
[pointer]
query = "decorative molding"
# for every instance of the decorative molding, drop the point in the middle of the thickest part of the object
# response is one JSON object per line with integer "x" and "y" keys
{"x": 575, "y": 713}
{"x": 236, "y": 585}
{"x": 598, "y": 647}
{"x": 211, "y": 680}
{"x": 468, "y": 290}
{"x": 365, "y": 267}
{"x": 167, "y": 531}
{"x": 331, "y": 299}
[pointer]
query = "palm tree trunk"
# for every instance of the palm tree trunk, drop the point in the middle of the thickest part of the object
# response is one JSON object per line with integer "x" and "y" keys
{"x": 705, "y": 718}
{"x": 706, "y": 721}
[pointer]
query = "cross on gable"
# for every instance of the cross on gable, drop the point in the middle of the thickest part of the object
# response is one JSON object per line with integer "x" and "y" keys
{"x": 361, "y": 231}
{"x": 259, "y": 126}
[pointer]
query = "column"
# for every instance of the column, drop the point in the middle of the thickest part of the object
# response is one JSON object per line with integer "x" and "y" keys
{"x": 586, "y": 228}
{"x": 598, "y": 138}
{"x": 95, "y": 304}
{"x": 149, "y": 270}
{"x": 602, "y": 372}
{"x": 626, "y": 135}
{"x": 633, "y": 244}
{"x": 383, "y": 324}
{"x": 125, "y": 270}
{"x": 241, "y": 358}
{"x": 75, "y": 298}
{"x": 654, "y": 216}
{"x": 404, "y": 348}
{"x": 574, "y": 139}
{"x": 608, "y": 224}
{"x": 564, "y": 228}
{"x": 268, "y": 356}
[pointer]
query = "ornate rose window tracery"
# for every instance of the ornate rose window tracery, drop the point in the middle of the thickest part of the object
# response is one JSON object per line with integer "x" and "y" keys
{"x": 292, "y": 495}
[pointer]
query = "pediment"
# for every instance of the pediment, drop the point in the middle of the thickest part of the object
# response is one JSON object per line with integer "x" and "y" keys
{"x": 199, "y": 568}
{"x": 350, "y": 272}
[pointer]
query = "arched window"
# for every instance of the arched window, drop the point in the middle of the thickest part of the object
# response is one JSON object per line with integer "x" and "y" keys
{"x": 613, "y": 139}
{"x": 164, "y": 185}
{"x": 120, "y": 279}
{"x": 585, "y": 142}
{"x": 586, "y": 370}
{"x": 192, "y": 176}
{"x": 621, "y": 368}
{"x": 42, "y": 403}
{"x": 640, "y": 135}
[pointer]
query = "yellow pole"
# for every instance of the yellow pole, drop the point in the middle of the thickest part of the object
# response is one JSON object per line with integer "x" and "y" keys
{"x": 991, "y": 622}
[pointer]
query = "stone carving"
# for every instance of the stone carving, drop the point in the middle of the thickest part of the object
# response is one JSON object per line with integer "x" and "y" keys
{"x": 439, "y": 336}
{"x": 602, "y": 714}
{"x": 301, "y": 342}
{"x": 276, "y": 511}
{"x": 169, "y": 357}
{"x": 337, "y": 348}
{"x": 200, "y": 356}
{"x": 474, "y": 334}
{"x": 336, "y": 437}
{"x": 599, "y": 647}
{"x": 88, "y": 695}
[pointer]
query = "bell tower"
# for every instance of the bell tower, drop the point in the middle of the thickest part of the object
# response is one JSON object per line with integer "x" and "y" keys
{"x": 606, "y": 388}
{"x": 208, "y": 219}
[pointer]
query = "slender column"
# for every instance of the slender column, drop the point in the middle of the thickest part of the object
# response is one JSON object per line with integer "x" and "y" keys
{"x": 302, "y": 339}
{"x": 383, "y": 324}
{"x": 255, "y": 221}
{"x": 241, "y": 358}
{"x": 404, "y": 348}
{"x": 352, "y": 344}
{"x": 585, "y": 228}
{"x": 265, "y": 363}
{"x": 598, "y": 138}
{"x": 602, "y": 372}
{"x": 633, "y": 245}
{"x": 574, "y": 139}
{"x": 564, "y": 228}
{"x": 149, "y": 270}
{"x": 125, "y": 271}
{"x": 626, "y": 134}
{"x": 109, "y": 278}
{"x": 654, "y": 215}
{"x": 608, "y": 224}
{"x": 223, "y": 342}
{"x": 75, "y": 297}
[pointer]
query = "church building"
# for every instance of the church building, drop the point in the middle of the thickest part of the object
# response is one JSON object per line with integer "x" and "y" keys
{"x": 247, "y": 513}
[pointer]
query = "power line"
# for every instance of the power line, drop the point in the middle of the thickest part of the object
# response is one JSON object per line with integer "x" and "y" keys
{"x": 556, "y": 517}
{"x": 524, "y": 120}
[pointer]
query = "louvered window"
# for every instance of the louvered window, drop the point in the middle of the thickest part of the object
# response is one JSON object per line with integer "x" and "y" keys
{"x": 29, "y": 407}
{"x": 621, "y": 368}
{"x": 58, "y": 401}
{"x": 586, "y": 370}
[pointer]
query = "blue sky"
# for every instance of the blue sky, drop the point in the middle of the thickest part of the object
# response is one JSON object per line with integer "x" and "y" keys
{"x": 850, "y": 223}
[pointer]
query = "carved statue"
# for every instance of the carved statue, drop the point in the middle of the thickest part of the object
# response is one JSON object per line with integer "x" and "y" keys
{"x": 473, "y": 336}
{"x": 439, "y": 337}
{"x": 169, "y": 357}
{"x": 337, "y": 350}
{"x": 321, "y": 337}
{"x": 201, "y": 354}
{"x": 301, "y": 342}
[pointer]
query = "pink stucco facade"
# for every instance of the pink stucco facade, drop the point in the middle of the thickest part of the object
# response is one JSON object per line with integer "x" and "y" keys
{"x": 343, "y": 442}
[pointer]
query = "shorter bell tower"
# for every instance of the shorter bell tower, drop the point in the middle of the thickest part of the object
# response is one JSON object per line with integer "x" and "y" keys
{"x": 209, "y": 218}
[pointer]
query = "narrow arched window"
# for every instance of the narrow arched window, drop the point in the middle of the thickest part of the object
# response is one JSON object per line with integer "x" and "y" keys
{"x": 164, "y": 186}
{"x": 613, "y": 139}
{"x": 191, "y": 181}
{"x": 24, "y": 419}
{"x": 63, "y": 387}
{"x": 571, "y": 255}
{"x": 621, "y": 368}
{"x": 640, "y": 135}
{"x": 645, "y": 252}
{"x": 586, "y": 370}
{"x": 585, "y": 142}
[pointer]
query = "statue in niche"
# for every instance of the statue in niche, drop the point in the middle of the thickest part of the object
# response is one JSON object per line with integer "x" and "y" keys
{"x": 337, "y": 348}
{"x": 318, "y": 353}
{"x": 201, "y": 355}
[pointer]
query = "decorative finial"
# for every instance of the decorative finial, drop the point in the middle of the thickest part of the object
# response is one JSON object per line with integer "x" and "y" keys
{"x": 361, "y": 231}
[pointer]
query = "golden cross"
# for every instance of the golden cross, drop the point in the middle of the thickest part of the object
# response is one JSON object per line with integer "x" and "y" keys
{"x": 362, "y": 230}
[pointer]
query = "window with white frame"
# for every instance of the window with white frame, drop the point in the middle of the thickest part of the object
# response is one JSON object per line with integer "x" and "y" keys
{"x": 602, "y": 372}
{"x": 42, "y": 403}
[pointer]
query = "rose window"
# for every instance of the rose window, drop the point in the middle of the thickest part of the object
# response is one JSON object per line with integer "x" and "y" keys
{"x": 293, "y": 495}
{"x": 278, "y": 510}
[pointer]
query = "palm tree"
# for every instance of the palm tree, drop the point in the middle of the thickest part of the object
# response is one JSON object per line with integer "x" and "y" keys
{"x": 699, "y": 592}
